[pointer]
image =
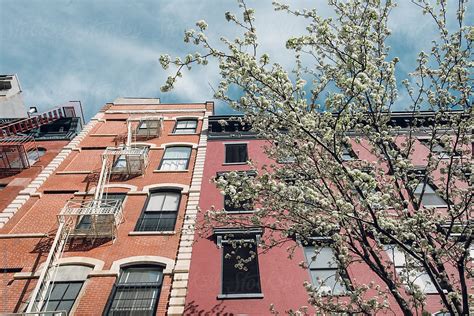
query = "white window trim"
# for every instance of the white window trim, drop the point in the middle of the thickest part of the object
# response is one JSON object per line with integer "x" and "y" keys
{"x": 166, "y": 186}
{"x": 166, "y": 263}
{"x": 131, "y": 188}
{"x": 178, "y": 144}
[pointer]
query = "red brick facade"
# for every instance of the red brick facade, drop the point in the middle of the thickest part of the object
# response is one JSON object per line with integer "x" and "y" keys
{"x": 25, "y": 239}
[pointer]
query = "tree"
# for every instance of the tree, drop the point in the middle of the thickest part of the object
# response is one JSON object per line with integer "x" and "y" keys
{"x": 367, "y": 206}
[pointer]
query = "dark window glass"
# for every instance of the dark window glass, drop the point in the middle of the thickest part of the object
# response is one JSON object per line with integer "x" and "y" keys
{"x": 324, "y": 270}
{"x": 63, "y": 295}
{"x": 241, "y": 206}
{"x": 348, "y": 154}
{"x": 240, "y": 277}
{"x": 160, "y": 212}
{"x": 435, "y": 148}
{"x": 430, "y": 197}
{"x": 136, "y": 292}
{"x": 235, "y": 153}
{"x": 175, "y": 158}
{"x": 185, "y": 127}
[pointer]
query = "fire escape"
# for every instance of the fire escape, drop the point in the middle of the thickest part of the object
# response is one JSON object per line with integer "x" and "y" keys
{"x": 17, "y": 149}
{"x": 98, "y": 217}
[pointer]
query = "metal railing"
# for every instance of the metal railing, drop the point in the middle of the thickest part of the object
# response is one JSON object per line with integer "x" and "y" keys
{"x": 130, "y": 161}
{"x": 92, "y": 218}
{"x": 157, "y": 223}
{"x": 139, "y": 298}
{"x": 32, "y": 122}
{"x": 146, "y": 127}
{"x": 40, "y": 292}
{"x": 16, "y": 152}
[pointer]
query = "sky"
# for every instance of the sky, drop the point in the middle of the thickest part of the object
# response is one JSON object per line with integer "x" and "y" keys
{"x": 97, "y": 50}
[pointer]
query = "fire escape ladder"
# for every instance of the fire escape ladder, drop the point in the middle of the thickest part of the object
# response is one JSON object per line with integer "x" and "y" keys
{"x": 97, "y": 217}
{"x": 45, "y": 283}
{"x": 104, "y": 177}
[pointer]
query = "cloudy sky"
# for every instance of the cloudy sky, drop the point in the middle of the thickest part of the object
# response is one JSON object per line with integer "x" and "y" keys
{"x": 97, "y": 50}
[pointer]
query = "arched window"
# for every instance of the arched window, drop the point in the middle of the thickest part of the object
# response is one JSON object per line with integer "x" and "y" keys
{"x": 64, "y": 290}
{"x": 175, "y": 158}
{"x": 160, "y": 212}
{"x": 136, "y": 291}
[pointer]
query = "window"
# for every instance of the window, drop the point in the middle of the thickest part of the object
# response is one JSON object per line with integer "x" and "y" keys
{"x": 68, "y": 283}
{"x": 175, "y": 158}
{"x": 237, "y": 207}
{"x": 136, "y": 292}
{"x": 85, "y": 223}
{"x": 33, "y": 155}
{"x": 148, "y": 128}
{"x": 240, "y": 271}
{"x": 436, "y": 148}
{"x": 142, "y": 126}
{"x": 348, "y": 154}
{"x": 120, "y": 163}
{"x": 63, "y": 295}
{"x": 160, "y": 212}
{"x": 415, "y": 276}
{"x": 326, "y": 275}
{"x": 236, "y": 153}
{"x": 286, "y": 159}
{"x": 185, "y": 127}
{"x": 430, "y": 197}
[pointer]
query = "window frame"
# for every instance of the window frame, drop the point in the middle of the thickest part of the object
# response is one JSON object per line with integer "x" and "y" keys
{"x": 339, "y": 272}
{"x": 397, "y": 274}
{"x": 63, "y": 275}
{"x": 428, "y": 185}
{"x": 347, "y": 150}
{"x": 240, "y": 210}
{"x": 438, "y": 149}
{"x": 40, "y": 152}
{"x": 250, "y": 173}
{"x": 160, "y": 212}
{"x": 226, "y": 145}
{"x": 135, "y": 285}
{"x": 187, "y": 120}
{"x": 163, "y": 159}
{"x": 225, "y": 236}
{"x": 81, "y": 282}
{"x": 88, "y": 217}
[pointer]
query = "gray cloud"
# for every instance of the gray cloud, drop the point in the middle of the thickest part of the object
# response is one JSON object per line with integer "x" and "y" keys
{"x": 95, "y": 51}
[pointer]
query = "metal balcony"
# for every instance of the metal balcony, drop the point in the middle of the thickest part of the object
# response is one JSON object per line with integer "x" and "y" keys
{"x": 92, "y": 218}
{"x": 17, "y": 152}
{"x": 127, "y": 161}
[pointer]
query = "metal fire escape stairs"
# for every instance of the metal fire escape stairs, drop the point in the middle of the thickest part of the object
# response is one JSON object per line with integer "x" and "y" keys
{"x": 103, "y": 215}
{"x": 26, "y": 124}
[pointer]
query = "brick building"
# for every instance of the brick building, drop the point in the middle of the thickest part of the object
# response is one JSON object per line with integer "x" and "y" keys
{"x": 105, "y": 226}
{"x": 217, "y": 286}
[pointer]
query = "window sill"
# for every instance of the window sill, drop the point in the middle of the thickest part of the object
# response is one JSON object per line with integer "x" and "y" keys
{"x": 345, "y": 294}
{"x": 435, "y": 206}
{"x": 234, "y": 163}
{"x": 241, "y": 296}
{"x": 152, "y": 233}
{"x": 239, "y": 212}
{"x": 172, "y": 134}
{"x": 170, "y": 171}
